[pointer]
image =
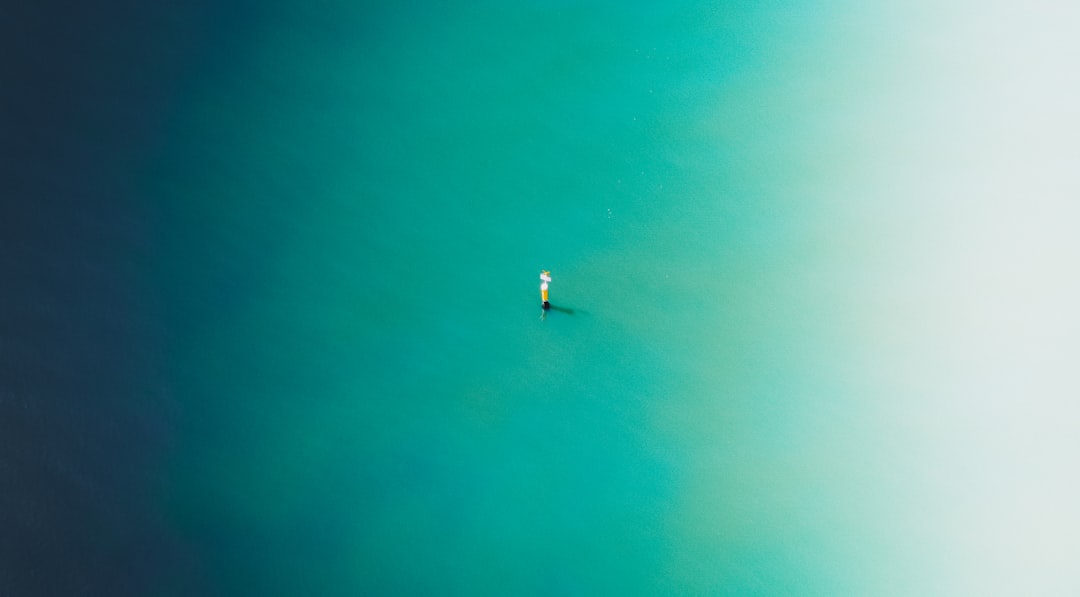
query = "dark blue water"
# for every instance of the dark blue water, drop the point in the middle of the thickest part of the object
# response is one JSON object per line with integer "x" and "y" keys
{"x": 85, "y": 420}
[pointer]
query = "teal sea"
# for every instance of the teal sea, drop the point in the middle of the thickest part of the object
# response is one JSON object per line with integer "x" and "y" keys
{"x": 811, "y": 327}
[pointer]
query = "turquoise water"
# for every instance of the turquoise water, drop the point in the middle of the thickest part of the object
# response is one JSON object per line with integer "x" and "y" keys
{"x": 731, "y": 396}
{"x": 369, "y": 198}
{"x": 270, "y": 320}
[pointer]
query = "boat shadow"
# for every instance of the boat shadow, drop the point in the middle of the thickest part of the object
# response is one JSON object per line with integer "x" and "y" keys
{"x": 564, "y": 310}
